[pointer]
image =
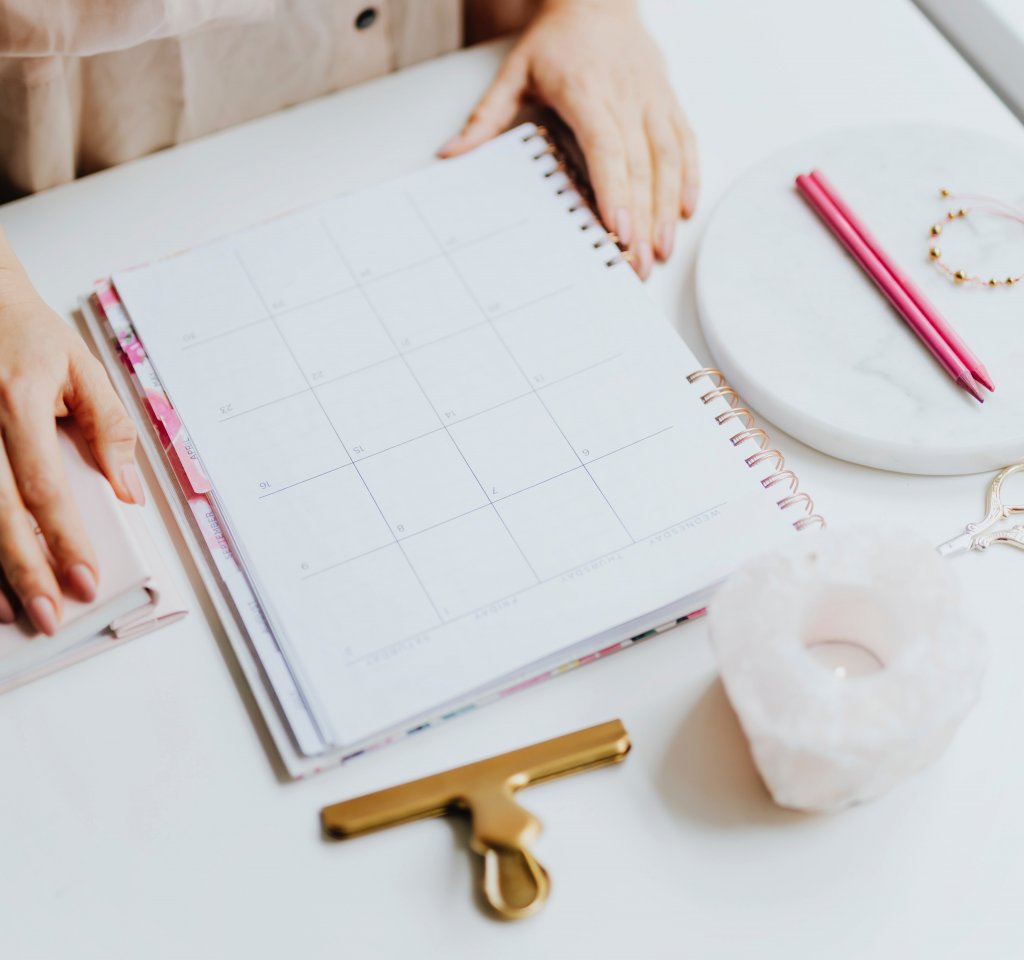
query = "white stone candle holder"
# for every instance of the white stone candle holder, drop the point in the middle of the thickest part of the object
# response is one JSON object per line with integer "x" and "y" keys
{"x": 849, "y": 659}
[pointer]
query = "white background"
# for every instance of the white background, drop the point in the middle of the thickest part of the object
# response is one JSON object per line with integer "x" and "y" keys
{"x": 140, "y": 815}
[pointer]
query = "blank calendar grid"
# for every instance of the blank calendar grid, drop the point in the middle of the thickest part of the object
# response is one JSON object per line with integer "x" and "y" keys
{"x": 452, "y": 448}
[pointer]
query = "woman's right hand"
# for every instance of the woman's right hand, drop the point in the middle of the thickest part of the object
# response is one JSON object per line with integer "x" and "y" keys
{"x": 47, "y": 372}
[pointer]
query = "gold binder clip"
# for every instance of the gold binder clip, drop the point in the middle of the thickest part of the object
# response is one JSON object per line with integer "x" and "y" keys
{"x": 514, "y": 883}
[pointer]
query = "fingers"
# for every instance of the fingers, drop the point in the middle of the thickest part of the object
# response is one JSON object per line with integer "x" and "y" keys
{"x": 667, "y": 157}
{"x": 106, "y": 426}
{"x": 641, "y": 176}
{"x": 34, "y": 458}
{"x": 600, "y": 139}
{"x": 6, "y": 608}
{"x": 601, "y": 142}
{"x": 22, "y": 560}
{"x": 494, "y": 112}
{"x": 691, "y": 165}
{"x": 622, "y": 170}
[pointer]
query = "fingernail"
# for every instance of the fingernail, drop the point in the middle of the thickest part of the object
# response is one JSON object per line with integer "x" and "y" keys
{"x": 689, "y": 200}
{"x": 623, "y": 227}
{"x": 6, "y": 610}
{"x": 43, "y": 615}
{"x": 455, "y": 141}
{"x": 83, "y": 582}
{"x": 645, "y": 259}
{"x": 132, "y": 483}
{"x": 666, "y": 240}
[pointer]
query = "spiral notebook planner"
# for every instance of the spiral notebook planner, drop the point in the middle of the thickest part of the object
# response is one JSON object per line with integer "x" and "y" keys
{"x": 449, "y": 445}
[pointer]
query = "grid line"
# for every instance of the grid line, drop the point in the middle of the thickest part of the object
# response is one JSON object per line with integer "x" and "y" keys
{"x": 553, "y": 577}
{"x": 355, "y": 466}
{"x": 440, "y": 419}
{"x": 483, "y": 506}
{"x": 533, "y": 389}
{"x": 518, "y": 365}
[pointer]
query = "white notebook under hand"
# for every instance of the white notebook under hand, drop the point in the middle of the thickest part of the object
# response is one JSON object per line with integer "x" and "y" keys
{"x": 134, "y": 594}
{"x": 451, "y": 441}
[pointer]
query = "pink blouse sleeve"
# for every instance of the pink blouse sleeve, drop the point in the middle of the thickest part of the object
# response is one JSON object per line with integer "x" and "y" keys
{"x": 37, "y": 28}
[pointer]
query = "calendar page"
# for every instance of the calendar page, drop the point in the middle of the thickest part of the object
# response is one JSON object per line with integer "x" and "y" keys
{"x": 448, "y": 433}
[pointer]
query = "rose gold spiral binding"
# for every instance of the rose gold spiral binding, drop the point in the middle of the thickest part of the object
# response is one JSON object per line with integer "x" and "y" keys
{"x": 710, "y": 372}
{"x": 766, "y": 452}
{"x": 814, "y": 520}
{"x": 562, "y": 165}
{"x": 771, "y": 454}
{"x": 808, "y": 504}
{"x": 720, "y": 392}
{"x": 736, "y": 413}
{"x": 783, "y": 476}
{"x": 751, "y": 433}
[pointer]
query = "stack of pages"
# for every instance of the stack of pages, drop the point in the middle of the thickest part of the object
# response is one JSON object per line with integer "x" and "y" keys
{"x": 435, "y": 443}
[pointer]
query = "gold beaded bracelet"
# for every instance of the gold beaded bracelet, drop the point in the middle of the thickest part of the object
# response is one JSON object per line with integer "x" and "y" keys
{"x": 961, "y": 276}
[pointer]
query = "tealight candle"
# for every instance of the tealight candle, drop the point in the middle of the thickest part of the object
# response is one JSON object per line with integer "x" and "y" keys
{"x": 845, "y": 658}
{"x": 844, "y": 631}
{"x": 850, "y": 661}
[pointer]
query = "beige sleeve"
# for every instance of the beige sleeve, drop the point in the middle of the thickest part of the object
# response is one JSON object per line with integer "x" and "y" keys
{"x": 38, "y": 28}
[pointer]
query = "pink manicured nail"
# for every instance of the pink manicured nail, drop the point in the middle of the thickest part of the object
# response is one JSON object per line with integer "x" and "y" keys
{"x": 6, "y": 610}
{"x": 83, "y": 582}
{"x": 645, "y": 259}
{"x": 689, "y": 200}
{"x": 623, "y": 227}
{"x": 132, "y": 483}
{"x": 446, "y": 149}
{"x": 43, "y": 615}
{"x": 666, "y": 240}
{"x": 455, "y": 141}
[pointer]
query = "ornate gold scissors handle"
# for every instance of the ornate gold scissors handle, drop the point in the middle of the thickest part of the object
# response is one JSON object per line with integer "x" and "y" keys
{"x": 1013, "y": 537}
{"x": 976, "y": 535}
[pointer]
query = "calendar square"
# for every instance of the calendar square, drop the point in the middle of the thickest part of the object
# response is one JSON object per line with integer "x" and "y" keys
{"x": 292, "y": 261}
{"x": 378, "y": 232}
{"x": 468, "y": 563}
{"x": 335, "y": 336}
{"x": 244, "y": 370}
{"x": 206, "y": 292}
{"x": 563, "y": 523}
{"x": 516, "y": 267}
{"x": 610, "y": 406}
{"x": 461, "y": 205}
{"x": 275, "y": 446}
{"x": 563, "y": 334}
{"x": 378, "y": 408}
{"x": 358, "y": 599}
{"x": 323, "y": 522}
{"x": 655, "y": 483}
{"x": 422, "y": 483}
{"x": 514, "y": 447}
{"x": 468, "y": 373}
{"x": 423, "y": 304}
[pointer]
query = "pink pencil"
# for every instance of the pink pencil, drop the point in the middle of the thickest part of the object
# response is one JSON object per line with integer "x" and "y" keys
{"x": 895, "y": 294}
{"x": 942, "y": 327}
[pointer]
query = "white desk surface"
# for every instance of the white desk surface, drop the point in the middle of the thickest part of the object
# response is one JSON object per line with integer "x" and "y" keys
{"x": 990, "y": 34}
{"x": 140, "y": 816}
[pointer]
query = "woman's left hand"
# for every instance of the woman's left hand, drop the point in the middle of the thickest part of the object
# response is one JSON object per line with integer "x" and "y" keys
{"x": 595, "y": 65}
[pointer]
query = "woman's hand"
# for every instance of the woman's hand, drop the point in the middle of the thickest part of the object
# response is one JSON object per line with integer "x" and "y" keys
{"x": 593, "y": 63}
{"x": 46, "y": 372}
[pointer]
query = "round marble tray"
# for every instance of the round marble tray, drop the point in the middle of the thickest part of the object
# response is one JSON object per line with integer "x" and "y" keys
{"x": 809, "y": 341}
